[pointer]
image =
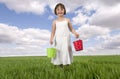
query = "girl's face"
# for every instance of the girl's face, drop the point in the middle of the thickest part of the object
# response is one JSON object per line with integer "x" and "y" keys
{"x": 60, "y": 11}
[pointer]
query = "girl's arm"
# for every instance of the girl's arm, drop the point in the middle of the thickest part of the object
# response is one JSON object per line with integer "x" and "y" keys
{"x": 72, "y": 30}
{"x": 53, "y": 32}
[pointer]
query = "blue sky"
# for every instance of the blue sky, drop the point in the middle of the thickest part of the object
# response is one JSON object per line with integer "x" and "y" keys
{"x": 25, "y": 27}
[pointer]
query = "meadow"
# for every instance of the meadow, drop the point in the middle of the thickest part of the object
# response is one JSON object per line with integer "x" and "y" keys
{"x": 38, "y": 67}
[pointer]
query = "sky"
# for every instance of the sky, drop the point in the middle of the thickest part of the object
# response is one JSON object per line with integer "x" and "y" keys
{"x": 25, "y": 26}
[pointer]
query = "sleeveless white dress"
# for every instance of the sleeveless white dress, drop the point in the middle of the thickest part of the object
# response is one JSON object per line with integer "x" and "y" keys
{"x": 62, "y": 44}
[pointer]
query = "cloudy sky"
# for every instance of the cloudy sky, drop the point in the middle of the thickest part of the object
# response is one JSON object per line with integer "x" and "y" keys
{"x": 25, "y": 26}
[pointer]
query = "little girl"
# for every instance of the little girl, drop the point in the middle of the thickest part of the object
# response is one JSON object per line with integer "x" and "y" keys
{"x": 60, "y": 37}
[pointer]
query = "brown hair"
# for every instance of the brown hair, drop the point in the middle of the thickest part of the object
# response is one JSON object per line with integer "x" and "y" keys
{"x": 62, "y": 6}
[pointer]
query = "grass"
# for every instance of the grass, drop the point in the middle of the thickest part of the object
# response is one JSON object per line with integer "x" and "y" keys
{"x": 83, "y": 67}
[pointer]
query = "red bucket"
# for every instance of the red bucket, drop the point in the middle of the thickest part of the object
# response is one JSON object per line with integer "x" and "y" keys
{"x": 78, "y": 45}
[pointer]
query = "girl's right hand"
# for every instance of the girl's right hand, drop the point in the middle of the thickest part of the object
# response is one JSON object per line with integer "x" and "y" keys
{"x": 51, "y": 42}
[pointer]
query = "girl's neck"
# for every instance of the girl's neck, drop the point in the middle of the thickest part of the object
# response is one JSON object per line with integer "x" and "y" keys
{"x": 61, "y": 18}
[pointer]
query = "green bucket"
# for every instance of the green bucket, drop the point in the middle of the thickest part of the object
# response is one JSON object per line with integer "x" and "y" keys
{"x": 51, "y": 52}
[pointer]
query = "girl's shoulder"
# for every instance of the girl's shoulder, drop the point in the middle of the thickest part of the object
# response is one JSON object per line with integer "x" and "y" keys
{"x": 54, "y": 21}
{"x": 68, "y": 20}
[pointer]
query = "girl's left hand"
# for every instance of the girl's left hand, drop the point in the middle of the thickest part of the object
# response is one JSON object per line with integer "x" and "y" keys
{"x": 77, "y": 35}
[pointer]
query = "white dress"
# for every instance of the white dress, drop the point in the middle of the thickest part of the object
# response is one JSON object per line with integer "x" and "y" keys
{"x": 62, "y": 44}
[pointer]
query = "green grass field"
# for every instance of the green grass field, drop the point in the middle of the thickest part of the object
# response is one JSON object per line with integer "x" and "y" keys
{"x": 83, "y": 67}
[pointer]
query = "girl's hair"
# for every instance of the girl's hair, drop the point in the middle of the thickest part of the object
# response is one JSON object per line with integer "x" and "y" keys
{"x": 60, "y": 5}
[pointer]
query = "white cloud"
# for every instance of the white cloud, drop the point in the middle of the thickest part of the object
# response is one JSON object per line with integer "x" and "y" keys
{"x": 112, "y": 42}
{"x": 108, "y": 2}
{"x": 29, "y": 6}
{"x": 99, "y": 51}
{"x": 80, "y": 19}
{"x": 107, "y": 13}
{"x": 50, "y": 17}
{"x": 88, "y": 31}
{"x": 22, "y": 41}
{"x": 107, "y": 16}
